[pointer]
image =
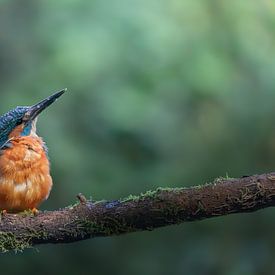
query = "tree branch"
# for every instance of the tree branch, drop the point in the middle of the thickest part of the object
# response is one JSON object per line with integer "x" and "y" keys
{"x": 164, "y": 206}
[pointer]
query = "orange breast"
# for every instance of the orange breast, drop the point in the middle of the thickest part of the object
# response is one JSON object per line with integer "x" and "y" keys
{"x": 25, "y": 179}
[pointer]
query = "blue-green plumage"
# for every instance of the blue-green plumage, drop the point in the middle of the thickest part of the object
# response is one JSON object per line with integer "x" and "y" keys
{"x": 9, "y": 121}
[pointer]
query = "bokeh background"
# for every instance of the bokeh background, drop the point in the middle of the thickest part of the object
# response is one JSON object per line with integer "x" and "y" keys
{"x": 161, "y": 93}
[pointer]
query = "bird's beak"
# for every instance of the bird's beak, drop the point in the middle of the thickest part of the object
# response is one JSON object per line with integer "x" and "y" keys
{"x": 36, "y": 109}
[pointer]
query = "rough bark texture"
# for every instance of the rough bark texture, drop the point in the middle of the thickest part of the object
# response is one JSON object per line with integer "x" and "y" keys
{"x": 164, "y": 206}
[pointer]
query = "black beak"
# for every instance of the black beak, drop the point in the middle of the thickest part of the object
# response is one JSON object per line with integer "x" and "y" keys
{"x": 36, "y": 109}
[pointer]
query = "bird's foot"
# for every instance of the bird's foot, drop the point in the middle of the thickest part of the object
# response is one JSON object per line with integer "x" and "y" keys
{"x": 3, "y": 213}
{"x": 35, "y": 211}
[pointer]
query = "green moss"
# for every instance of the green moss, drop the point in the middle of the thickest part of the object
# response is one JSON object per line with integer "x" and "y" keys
{"x": 72, "y": 206}
{"x": 150, "y": 194}
{"x": 103, "y": 228}
{"x": 139, "y": 197}
{"x": 26, "y": 213}
{"x": 97, "y": 202}
{"x": 171, "y": 189}
{"x": 222, "y": 179}
{"x": 8, "y": 242}
{"x": 17, "y": 243}
{"x": 130, "y": 198}
{"x": 155, "y": 193}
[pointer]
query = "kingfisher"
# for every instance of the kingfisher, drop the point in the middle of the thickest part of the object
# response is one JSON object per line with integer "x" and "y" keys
{"x": 25, "y": 180}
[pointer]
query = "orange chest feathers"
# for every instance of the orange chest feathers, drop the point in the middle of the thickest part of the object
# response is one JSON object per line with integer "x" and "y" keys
{"x": 25, "y": 179}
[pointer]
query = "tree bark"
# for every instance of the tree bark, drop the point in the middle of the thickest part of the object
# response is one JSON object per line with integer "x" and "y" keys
{"x": 153, "y": 209}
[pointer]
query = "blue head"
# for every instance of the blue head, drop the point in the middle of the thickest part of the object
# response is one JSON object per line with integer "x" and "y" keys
{"x": 22, "y": 120}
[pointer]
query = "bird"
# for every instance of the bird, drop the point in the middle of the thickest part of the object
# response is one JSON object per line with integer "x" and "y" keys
{"x": 25, "y": 180}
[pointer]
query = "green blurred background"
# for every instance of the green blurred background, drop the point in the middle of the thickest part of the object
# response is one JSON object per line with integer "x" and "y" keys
{"x": 161, "y": 93}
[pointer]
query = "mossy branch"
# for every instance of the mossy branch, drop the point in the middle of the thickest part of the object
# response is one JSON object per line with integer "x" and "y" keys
{"x": 164, "y": 206}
